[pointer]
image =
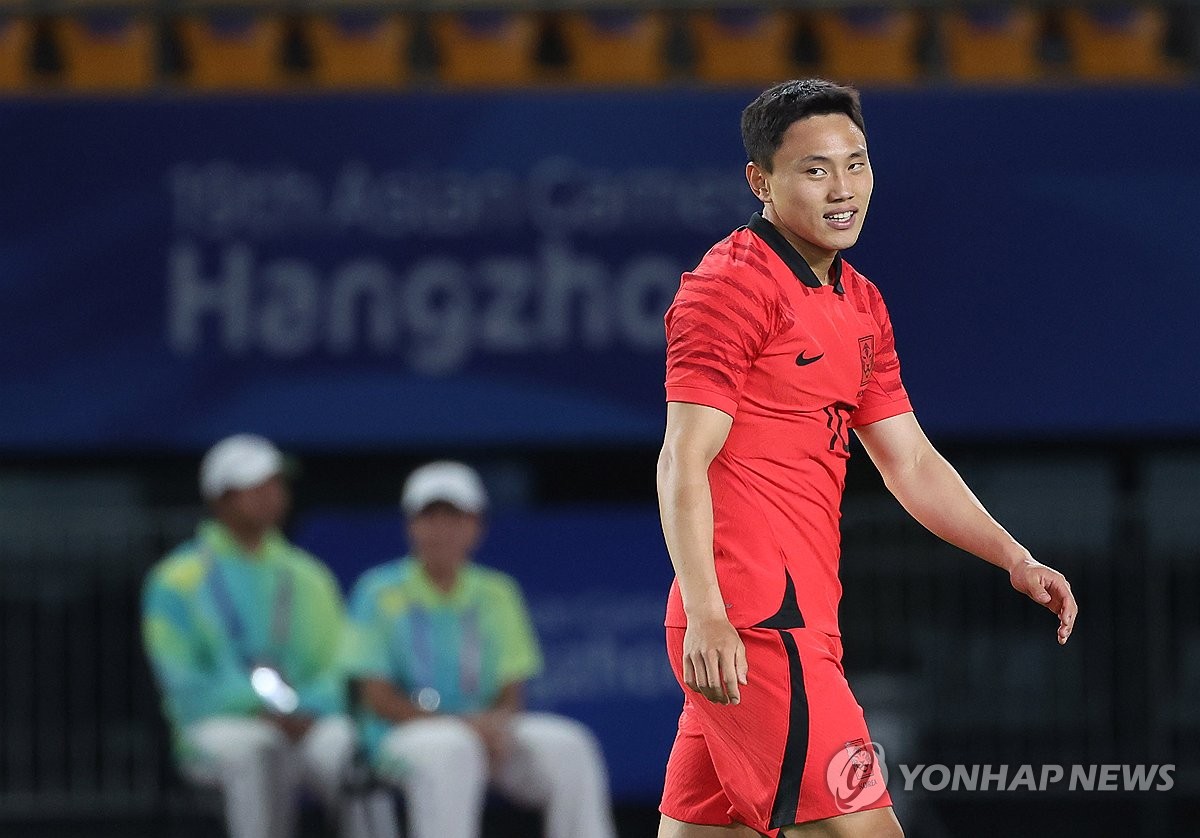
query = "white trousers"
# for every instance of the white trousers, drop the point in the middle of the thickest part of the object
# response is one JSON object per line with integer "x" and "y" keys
{"x": 554, "y": 764}
{"x": 261, "y": 772}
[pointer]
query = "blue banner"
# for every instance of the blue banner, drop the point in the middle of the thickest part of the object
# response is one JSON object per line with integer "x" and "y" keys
{"x": 491, "y": 269}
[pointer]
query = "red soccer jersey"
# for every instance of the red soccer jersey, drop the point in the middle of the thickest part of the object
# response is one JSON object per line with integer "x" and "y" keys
{"x": 752, "y": 332}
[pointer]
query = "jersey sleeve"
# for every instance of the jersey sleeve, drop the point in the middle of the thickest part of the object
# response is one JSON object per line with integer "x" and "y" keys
{"x": 884, "y": 395}
{"x": 716, "y": 328}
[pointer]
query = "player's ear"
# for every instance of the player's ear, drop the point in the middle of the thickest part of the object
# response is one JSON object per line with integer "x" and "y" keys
{"x": 757, "y": 178}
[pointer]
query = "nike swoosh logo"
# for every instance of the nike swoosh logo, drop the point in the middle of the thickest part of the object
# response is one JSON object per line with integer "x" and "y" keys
{"x": 801, "y": 361}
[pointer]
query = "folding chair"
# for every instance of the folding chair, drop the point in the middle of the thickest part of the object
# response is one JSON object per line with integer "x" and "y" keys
{"x": 359, "y": 48}
{"x": 868, "y": 44}
{"x": 743, "y": 46}
{"x": 233, "y": 48}
{"x": 16, "y": 41}
{"x": 1115, "y": 43}
{"x": 486, "y": 48}
{"x": 616, "y": 47}
{"x": 991, "y": 44}
{"x": 107, "y": 48}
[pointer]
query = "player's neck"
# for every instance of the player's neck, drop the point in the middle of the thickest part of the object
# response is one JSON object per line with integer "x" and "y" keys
{"x": 249, "y": 538}
{"x": 443, "y": 578}
{"x": 818, "y": 259}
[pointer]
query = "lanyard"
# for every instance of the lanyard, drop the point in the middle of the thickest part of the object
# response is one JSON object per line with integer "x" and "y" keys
{"x": 281, "y": 611}
{"x": 424, "y": 655}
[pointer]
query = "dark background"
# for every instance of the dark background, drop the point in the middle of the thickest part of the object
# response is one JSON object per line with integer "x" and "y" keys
{"x": 1036, "y": 247}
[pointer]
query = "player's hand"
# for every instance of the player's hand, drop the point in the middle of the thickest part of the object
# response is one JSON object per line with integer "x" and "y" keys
{"x": 1046, "y": 586}
{"x": 495, "y": 730}
{"x": 295, "y": 727}
{"x": 714, "y": 660}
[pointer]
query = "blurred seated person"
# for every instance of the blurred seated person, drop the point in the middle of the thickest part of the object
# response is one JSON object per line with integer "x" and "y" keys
{"x": 243, "y": 632}
{"x": 444, "y": 647}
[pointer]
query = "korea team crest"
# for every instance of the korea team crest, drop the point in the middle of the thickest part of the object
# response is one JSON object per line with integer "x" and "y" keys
{"x": 866, "y": 353}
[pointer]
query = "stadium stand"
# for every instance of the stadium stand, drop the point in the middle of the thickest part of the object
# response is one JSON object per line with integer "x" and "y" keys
{"x": 359, "y": 48}
{"x": 486, "y": 48}
{"x": 108, "y": 48}
{"x": 234, "y": 48}
{"x": 991, "y": 44}
{"x": 1115, "y": 43}
{"x": 615, "y": 47}
{"x": 16, "y": 40}
{"x": 737, "y": 46}
{"x": 868, "y": 45}
{"x": 239, "y": 45}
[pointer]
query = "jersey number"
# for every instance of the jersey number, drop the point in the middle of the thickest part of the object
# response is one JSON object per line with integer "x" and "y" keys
{"x": 837, "y": 420}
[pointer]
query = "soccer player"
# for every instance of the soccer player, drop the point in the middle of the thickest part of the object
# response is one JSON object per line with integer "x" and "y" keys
{"x": 776, "y": 349}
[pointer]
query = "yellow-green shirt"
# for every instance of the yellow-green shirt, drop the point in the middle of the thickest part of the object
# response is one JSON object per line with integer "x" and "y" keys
{"x": 466, "y": 645}
{"x": 202, "y": 662}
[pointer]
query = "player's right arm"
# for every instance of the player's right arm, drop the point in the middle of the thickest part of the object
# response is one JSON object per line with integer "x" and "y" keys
{"x": 383, "y": 699}
{"x": 714, "y": 658}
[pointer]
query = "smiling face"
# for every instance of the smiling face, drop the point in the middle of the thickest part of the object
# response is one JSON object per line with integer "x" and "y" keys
{"x": 819, "y": 185}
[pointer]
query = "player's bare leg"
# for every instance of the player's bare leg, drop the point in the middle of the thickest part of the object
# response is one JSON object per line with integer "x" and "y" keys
{"x": 671, "y": 828}
{"x": 874, "y": 823}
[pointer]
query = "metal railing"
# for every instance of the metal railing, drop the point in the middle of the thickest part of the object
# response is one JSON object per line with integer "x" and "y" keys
{"x": 80, "y": 733}
{"x": 933, "y": 634}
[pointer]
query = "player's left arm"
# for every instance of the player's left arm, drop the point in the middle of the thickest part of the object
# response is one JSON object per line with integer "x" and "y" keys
{"x": 929, "y": 488}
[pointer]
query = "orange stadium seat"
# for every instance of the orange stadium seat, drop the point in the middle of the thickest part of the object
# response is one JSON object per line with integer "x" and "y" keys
{"x": 234, "y": 48}
{"x": 359, "y": 48}
{"x": 992, "y": 43}
{"x": 16, "y": 42}
{"x": 868, "y": 44}
{"x": 616, "y": 47}
{"x": 486, "y": 48}
{"x": 107, "y": 50}
{"x": 1117, "y": 43}
{"x": 740, "y": 46}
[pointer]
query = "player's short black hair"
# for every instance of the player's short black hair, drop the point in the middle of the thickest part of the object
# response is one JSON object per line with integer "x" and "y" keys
{"x": 767, "y": 118}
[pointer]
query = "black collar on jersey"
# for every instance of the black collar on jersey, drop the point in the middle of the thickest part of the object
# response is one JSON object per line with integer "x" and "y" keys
{"x": 791, "y": 257}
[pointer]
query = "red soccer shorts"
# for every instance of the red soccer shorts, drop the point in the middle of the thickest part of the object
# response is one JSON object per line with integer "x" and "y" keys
{"x": 796, "y": 749}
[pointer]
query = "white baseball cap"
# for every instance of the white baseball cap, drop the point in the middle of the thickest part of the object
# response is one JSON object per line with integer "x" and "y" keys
{"x": 454, "y": 483}
{"x": 238, "y": 462}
